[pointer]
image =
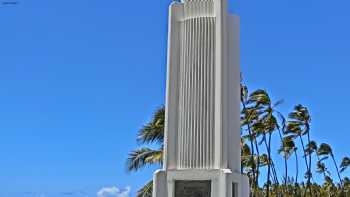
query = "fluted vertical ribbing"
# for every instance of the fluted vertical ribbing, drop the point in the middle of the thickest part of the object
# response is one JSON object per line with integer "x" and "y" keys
{"x": 196, "y": 94}
{"x": 198, "y": 8}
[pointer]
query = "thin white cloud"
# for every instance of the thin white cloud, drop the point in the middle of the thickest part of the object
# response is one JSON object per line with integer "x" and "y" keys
{"x": 114, "y": 192}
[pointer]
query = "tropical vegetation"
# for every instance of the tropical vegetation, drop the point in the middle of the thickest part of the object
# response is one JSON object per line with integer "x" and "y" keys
{"x": 262, "y": 126}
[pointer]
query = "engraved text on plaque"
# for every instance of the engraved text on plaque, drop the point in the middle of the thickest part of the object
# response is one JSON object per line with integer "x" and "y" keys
{"x": 192, "y": 188}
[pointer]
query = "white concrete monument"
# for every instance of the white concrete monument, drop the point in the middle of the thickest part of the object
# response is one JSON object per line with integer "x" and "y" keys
{"x": 202, "y": 129}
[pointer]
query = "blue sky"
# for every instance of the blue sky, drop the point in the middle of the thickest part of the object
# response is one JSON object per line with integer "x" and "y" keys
{"x": 79, "y": 78}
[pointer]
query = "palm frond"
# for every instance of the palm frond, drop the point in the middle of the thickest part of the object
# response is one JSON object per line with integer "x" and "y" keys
{"x": 142, "y": 157}
{"x": 287, "y": 147}
{"x": 293, "y": 127}
{"x": 146, "y": 190}
{"x": 264, "y": 160}
{"x": 279, "y": 102}
{"x": 344, "y": 164}
{"x": 324, "y": 150}
{"x": 321, "y": 168}
{"x": 260, "y": 97}
{"x": 311, "y": 148}
{"x": 246, "y": 150}
{"x": 300, "y": 113}
{"x": 244, "y": 93}
{"x": 153, "y": 131}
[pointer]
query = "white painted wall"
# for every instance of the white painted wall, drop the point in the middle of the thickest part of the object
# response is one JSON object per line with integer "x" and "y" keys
{"x": 202, "y": 132}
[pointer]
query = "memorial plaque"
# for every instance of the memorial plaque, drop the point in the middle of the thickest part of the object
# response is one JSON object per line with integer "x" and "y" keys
{"x": 192, "y": 188}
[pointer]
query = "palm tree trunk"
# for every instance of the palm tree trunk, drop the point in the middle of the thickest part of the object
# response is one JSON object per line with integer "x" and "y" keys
{"x": 309, "y": 172}
{"x": 304, "y": 151}
{"x": 252, "y": 156}
{"x": 285, "y": 158}
{"x": 251, "y": 137}
{"x": 271, "y": 162}
{"x": 268, "y": 168}
{"x": 296, "y": 172}
{"x": 268, "y": 147}
{"x": 296, "y": 166}
{"x": 257, "y": 162}
{"x": 268, "y": 181}
{"x": 274, "y": 171}
{"x": 306, "y": 163}
{"x": 273, "y": 168}
{"x": 336, "y": 167}
{"x": 303, "y": 146}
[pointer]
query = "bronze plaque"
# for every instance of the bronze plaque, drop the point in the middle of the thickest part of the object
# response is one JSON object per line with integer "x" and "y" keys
{"x": 192, "y": 188}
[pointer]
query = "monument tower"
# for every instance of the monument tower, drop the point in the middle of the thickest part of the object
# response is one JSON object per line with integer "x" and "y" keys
{"x": 202, "y": 128}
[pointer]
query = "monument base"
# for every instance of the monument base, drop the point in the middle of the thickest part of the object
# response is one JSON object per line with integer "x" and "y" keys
{"x": 200, "y": 183}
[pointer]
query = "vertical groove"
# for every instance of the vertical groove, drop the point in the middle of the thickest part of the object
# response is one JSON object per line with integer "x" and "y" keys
{"x": 209, "y": 92}
{"x": 186, "y": 96}
{"x": 202, "y": 120}
{"x": 192, "y": 96}
{"x": 195, "y": 100}
{"x": 205, "y": 95}
{"x": 199, "y": 48}
{"x": 183, "y": 84}
{"x": 199, "y": 128}
{"x": 194, "y": 92}
{"x": 212, "y": 53}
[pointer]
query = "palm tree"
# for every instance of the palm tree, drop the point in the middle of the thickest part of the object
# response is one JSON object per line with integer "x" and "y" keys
{"x": 266, "y": 124}
{"x": 248, "y": 163}
{"x": 326, "y": 150}
{"x": 320, "y": 165}
{"x": 151, "y": 133}
{"x": 298, "y": 126}
{"x": 246, "y": 119}
{"x": 288, "y": 148}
